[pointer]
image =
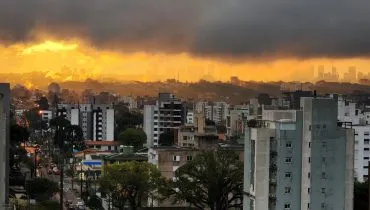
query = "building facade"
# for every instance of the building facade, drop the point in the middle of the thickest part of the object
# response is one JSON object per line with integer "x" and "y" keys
{"x": 95, "y": 120}
{"x": 215, "y": 111}
{"x": 167, "y": 114}
{"x": 299, "y": 160}
{"x": 4, "y": 142}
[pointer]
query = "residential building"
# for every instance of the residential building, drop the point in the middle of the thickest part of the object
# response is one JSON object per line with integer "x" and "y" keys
{"x": 167, "y": 114}
{"x": 4, "y": 142}
{"x": 129, "y": 101}
{"x": 111, "y": 146}
{"x": 235, "y": 119}
{"x": 215, "y": 111}
{"x": 198, "y": 135}
{"x": 347, "y": 111}
{"x": 96, "y": 120}
{"x": 300, "y": 159}
{"x": 362, "y": 153}
{"x": 190, "y": 117}
{"x": 46, "y": 115}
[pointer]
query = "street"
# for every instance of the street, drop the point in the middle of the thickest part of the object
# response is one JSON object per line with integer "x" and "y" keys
{"x": 68, "y": 192}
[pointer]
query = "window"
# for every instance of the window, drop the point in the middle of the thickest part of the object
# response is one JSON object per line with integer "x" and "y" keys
{"x": 287, "y": 206}
{"x": 323, "y": 205}
{"x": 185, "y": 138}
{"x": 323, "y": 190}
{"x": 366, "y": 166}
{"x": 323, "y": 159}
{"x": 287, "y": 189}
{"x": 109, "y": 148}
{"x": 366, "y": 141}
{"x": 366, "y": 158}
{"x": 309, "y": 127}
{"x": 366, "y": 133}
{"x": 324, "y": 144}
{"x": 308, "y": 205}
{"x": 309, "y": 159}
{"x": 288, "y": 145}
{"x": 189, "y": 157}
{"x": 309, "y": 175}
{"x": 288, "y": 174}
{"x": 176, "y": 158}
{"x": 288, "y": 159}
{"x": 308, "y": 190}
{"x": 309, "y": 144}
{"x": 155, "y": 129}
{"x": 366, "y": 149}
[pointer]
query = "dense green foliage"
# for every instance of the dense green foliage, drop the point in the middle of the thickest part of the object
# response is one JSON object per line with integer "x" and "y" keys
{"x": 131, "y": 183}
{"x": 133, "y": 137}
{"x": 361, "y": 196}
{"x": 214, "y": 179}
{"x": 126, "y": 119}
{"x": 41, "y": 189}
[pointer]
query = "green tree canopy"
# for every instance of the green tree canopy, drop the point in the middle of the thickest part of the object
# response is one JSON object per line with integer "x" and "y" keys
{"x": 133, "y": 137}
{"x": 126, "y": 118}
{"x": 74, "y": 136}
{"x": 221, "y": 129}
{"x": 42, "y": 189}
{"x": 361, "y": 195}
{"x": 132, "y": 183}
{"x": 94, "y": 203}
{"x": 213, "y": 179}
{"x": 60, "y": 124}
{"x": 167, "y": 138}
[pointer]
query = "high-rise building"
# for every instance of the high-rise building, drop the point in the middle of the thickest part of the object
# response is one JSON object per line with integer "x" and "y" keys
{"x": 215, "y": 111}
{"x": 95, "y": 120}
{"x": 167, "y": 114}
{"x": 299, "y": 159}
{"x": 4, "y": 142}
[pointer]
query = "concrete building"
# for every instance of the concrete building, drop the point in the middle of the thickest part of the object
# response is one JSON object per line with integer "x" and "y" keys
{"x": 4, "y": 142}
{"x": 129, "y": 101}
{"x": 215, "y": 111}
{"x": 167, "y": 114}
{"x": 95, "y": 120}
{"x": 198, "y": 135}
{"x": 299, "y": 159}
{"x": 235, "y": 119}
{"x": 362, "y": 153}
{"x": 190, "y": 117}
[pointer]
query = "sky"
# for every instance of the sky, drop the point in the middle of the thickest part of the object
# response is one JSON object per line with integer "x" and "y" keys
{"x": 190, "y": 40}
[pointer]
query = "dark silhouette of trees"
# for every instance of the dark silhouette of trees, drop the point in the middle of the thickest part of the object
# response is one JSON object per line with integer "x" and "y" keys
{"x": 133, "y": 137}
{"x": 167, "y": 138}
{"x": 214, "y": 179}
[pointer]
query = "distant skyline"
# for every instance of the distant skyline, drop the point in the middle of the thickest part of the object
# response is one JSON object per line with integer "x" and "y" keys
{"x": 153, "y": 40}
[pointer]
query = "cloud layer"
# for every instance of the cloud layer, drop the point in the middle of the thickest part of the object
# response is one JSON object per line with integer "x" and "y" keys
{"x": 232, "y": 28}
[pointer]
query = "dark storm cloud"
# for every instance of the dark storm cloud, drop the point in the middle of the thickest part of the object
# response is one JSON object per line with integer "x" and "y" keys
{"x": 231, "y": 28}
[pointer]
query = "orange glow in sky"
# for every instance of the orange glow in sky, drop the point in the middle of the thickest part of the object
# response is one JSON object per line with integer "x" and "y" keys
{"x": 76, "y": 60}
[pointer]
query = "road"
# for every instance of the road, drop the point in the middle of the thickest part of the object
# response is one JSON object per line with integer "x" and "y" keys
{"x": 69, "y": 194}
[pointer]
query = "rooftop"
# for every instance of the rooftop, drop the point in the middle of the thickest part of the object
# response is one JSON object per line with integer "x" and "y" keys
{"x": 102, "y": 143}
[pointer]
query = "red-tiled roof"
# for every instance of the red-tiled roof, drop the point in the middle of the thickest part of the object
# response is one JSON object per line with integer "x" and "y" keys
{"x": 102, "y": 143}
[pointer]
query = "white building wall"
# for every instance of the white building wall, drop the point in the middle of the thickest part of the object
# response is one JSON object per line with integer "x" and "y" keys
{"x": 75, "y": 117}
{"x": 148, "y": 123}
{"x": 110, "y": 125}
{"x": 361, "y": 152}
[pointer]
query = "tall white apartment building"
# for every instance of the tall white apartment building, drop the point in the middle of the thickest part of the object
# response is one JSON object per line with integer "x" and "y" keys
{"x": 362, "y": 153}
{"x": 95, "y": 120}
{"x": 167, "y": 114}
{"x": 215, "y": 111}
{"x": 299, "y": 159}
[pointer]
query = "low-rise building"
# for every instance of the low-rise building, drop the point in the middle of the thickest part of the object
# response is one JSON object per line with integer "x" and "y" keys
{"x": 111, "y": 146}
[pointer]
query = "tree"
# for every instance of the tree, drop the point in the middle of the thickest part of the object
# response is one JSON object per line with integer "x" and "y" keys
{"x": 74, "y": 136}
{"x": 214, "y": 179}
{"x": 42, "y": 189}
{"x": 361, "y": 195}
{"x": 43, "y": 103}
{"x": 133, "y": 137}
{"x": 94, "y": 203}
{"x": 126, "y": 118}
{"x": 34, "y": 119}
{"x": 167, "y": 138}
{"x": 132, "y": 182}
